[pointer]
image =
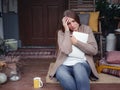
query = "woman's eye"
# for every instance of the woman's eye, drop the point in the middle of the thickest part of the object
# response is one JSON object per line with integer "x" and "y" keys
{"x": 68, "y": 23}
{"x": 73, "y": 21}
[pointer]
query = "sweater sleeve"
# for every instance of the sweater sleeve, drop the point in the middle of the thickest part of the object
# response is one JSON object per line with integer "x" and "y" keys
{"x": 64, "y": 42}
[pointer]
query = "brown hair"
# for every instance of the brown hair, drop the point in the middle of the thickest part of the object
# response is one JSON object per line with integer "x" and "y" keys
{"x": 71, "y": 14}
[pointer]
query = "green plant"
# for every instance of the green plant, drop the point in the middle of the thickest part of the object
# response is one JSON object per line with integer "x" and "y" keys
{"x": 110, "y": 15}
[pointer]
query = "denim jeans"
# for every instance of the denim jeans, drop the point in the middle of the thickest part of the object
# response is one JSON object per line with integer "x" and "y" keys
{"x": 74, "y": 77}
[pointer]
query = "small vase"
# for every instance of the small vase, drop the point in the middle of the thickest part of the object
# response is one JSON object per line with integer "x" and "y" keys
{"x": 111, "y": 42}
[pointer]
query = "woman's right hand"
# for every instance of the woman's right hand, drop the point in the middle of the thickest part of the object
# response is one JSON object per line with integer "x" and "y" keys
{"x": 65, "y": 21}
{"x": 73, "y": 40}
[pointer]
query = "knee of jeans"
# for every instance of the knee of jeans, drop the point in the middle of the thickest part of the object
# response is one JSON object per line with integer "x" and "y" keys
{"x": 86, "y": 65}
{"x": 83, "y": 66}
{"x": 78, "y": 65}
{"x": 59, "y": 71}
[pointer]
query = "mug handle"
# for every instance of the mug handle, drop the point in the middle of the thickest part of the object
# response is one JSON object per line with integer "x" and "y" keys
{"x": 41, "y": 83}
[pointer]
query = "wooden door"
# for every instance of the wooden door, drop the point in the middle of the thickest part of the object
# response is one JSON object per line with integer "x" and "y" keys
{"x": 39, "y": 20}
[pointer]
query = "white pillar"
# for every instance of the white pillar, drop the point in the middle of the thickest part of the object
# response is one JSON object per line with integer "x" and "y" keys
{"x": 1, "y": 28}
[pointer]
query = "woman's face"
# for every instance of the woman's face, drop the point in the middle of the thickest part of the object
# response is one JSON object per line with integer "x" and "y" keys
{"x": 72, "y": 24}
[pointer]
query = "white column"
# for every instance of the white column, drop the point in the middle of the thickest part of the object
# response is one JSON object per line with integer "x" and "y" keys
{"x": 1, "y": 21}
{"x": 1, "y": 28}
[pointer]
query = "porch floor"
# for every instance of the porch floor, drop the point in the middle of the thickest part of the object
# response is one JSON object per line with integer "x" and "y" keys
{"x": 33, "y": 67}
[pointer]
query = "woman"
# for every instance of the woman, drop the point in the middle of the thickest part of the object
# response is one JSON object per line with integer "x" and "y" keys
{"x": 73, "y": 72}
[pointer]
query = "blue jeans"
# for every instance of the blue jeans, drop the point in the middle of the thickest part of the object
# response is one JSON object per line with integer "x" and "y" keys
{"x": 74, "y": 77}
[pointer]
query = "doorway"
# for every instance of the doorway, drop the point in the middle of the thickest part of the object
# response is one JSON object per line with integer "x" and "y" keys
{"x": 39, "y": 21}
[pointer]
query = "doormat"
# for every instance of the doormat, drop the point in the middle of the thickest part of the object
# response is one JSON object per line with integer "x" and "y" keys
{"x": 33, "y": 53}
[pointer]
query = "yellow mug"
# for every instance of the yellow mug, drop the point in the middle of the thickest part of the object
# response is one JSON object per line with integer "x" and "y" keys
{"x": 37, "y": 82}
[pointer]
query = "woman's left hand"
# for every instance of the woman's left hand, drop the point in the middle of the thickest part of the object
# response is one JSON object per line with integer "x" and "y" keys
{"x": 74, "y": 40}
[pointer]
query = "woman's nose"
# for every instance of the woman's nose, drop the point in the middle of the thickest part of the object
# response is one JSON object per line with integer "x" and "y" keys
{"x": 72, "y": 24}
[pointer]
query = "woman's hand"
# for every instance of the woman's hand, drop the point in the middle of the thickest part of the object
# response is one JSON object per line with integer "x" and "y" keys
{"x": 73, "y": 40}
{"x": 65, "y": 21}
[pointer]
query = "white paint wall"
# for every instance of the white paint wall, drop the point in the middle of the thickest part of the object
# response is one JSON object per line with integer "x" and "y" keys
{"x": 1, "y": 28}
{"x": 1, "y": 21}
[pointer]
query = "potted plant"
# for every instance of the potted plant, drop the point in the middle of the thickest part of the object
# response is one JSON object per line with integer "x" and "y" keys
{"x": 110, "y": 15}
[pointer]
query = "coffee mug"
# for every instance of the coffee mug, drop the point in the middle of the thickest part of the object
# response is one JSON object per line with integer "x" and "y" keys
{"x": 37, "y": 82}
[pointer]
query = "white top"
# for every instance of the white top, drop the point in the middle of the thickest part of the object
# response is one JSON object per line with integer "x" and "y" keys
{"x": 70, "y": 61}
